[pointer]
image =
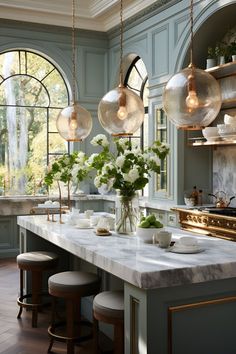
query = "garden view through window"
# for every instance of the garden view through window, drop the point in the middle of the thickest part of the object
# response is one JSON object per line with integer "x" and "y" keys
{"x": 32, "y": 92}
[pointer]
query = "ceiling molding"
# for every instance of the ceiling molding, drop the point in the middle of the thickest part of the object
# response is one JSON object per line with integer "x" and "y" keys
{"x": 97, "y": 15}
{"x": 99, "y": 7}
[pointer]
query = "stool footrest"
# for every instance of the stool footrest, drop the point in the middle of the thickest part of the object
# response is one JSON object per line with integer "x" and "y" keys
{"x": 22, "y": 303}
{"x": 76, "y": 339}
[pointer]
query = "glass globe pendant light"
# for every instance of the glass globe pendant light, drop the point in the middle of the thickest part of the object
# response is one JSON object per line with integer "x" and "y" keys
{"x": 74, "y": 123}
{"x": 121, "y": 111}
{"x": 192, "y": 97}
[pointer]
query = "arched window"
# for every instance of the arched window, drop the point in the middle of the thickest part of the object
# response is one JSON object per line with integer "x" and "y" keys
{"x": 136, "y": 79}
{"x": 32, "y": 92}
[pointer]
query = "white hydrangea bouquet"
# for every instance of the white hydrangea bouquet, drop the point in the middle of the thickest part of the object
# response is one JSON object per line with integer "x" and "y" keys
{"x": 73, "y": 167}
{"x": 126, "y": 170}
{"x": 70, "y": 170}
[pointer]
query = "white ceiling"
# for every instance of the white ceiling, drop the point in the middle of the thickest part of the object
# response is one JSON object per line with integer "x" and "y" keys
{"x": 99, "y": 15}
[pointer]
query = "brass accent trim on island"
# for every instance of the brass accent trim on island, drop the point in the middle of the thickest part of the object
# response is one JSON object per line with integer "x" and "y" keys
{"x": 211, "y": 224}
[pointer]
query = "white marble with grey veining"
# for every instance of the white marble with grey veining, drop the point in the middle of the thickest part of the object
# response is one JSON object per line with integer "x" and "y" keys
{"x": 224, "y": 177}
{"x": 143, "y": 265}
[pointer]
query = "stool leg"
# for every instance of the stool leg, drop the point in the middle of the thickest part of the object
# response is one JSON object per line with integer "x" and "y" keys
{"x": 21, "y": 292}
{"x": 70, "y": 325}
{"x": 36, "y": 295}
{"x": 119, "y": 339}
{"x": 53, "y": 320}
{"x": 95, "y": 336}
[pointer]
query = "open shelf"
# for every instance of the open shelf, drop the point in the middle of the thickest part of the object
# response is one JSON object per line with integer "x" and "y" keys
{"x": 226, "y": 76}
{"x": 202, "y": 142}
{"x": 222, "y": 71}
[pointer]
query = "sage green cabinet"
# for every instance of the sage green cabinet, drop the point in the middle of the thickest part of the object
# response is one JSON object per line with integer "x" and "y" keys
{"x": 9, "y": 245}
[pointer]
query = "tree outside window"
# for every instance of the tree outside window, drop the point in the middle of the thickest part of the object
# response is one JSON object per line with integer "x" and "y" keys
{"x": 32, "y": 92}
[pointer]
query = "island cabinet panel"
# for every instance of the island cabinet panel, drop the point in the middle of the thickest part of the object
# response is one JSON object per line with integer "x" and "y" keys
{"x": 8, "y": 237}
{"x": 196, "y": 319}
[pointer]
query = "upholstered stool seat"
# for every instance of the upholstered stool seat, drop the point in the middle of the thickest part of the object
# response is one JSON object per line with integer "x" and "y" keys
{"x": 108, "y": 307}
{"x": 36, "y": 263}
{"x": 71, "y": 286}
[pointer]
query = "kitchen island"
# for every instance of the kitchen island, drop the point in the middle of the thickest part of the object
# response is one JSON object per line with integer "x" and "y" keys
{"x": 174, "y": 303}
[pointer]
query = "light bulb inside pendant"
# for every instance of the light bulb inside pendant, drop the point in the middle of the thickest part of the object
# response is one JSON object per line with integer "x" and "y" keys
{"x": 192, "y": 100}
{"x": 122, "y": 112}
{"x": 73, "y": 125}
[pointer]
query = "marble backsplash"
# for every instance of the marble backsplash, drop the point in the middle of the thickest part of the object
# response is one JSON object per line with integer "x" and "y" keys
{"x": 224, "y": 171}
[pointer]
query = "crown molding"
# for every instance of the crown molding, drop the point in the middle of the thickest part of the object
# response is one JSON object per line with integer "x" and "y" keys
{"x": 97, "y": 15}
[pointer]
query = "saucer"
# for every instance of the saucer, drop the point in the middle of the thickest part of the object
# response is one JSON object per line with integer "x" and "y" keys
{"x": 83, "y": 227}
{"x": 185, "y": 249}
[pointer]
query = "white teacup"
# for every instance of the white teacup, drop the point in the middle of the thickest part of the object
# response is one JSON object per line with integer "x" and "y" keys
{"x": 94, "y": 220}
{"x": 88, "y": 214}
{"x": 187, "y": 241}
{"x": 164, "y": 238}
{"x": 83, "y": 223}
{"x": 111, "y": 222}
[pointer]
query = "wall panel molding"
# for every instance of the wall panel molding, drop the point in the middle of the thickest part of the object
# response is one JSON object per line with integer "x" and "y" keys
{"x": 160, "y": 51}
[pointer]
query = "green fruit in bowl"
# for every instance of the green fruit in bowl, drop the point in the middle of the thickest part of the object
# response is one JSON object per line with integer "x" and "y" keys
{"x": 150, "y": 222}
{"x": 158, "y": 224}
{"x": 151, "y": 218}
{"x": 145, "y": 224}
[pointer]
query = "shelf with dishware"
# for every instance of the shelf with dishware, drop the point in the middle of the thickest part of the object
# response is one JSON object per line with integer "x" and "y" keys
{"x": 203, "y": 142}
{"x": 222, "y": 134}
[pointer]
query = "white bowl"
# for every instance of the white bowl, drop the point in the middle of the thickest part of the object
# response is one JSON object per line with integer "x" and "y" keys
{"x": 226, "y": 129}
{"x": 210, "y": 133}
{"x": 83, "y": 223}
{"x": 229, "y": 119}
{"x": 147, "y": 234}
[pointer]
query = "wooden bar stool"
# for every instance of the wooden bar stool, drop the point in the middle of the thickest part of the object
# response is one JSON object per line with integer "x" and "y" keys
{"x": 36, "y": 263}
{"x": 71, "y": 286}
{"x": 108, "y": 307}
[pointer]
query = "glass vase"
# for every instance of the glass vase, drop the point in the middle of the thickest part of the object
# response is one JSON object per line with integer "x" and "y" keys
{"x": 127, "y": 214}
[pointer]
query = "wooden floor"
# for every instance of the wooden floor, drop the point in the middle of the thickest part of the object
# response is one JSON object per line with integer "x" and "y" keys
{"x": 17, "y": 336}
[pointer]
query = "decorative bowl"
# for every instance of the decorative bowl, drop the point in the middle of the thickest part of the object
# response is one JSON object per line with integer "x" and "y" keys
{"x": 147, "y": 234}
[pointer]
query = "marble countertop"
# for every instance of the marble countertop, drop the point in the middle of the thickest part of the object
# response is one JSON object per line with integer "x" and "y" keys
{"x": 141, "y": 264}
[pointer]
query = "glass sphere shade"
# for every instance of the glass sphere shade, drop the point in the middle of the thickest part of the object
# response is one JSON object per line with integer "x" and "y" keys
{"x": 74, "y": 123}
{"x": 192, "y": 99}
{"x": 121, "y": 112}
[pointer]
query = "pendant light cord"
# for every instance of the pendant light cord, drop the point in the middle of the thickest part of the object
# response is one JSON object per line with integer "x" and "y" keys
{"x": 121, "y": 43}
{"x": 191, "y": 31}
{"x": 73, "y": 51}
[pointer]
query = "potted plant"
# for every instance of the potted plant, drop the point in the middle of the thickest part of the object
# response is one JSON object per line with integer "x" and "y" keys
{"x": 220, "y": 52}
{"x": 211, "y": 58}
{"x": 232, "y": 50}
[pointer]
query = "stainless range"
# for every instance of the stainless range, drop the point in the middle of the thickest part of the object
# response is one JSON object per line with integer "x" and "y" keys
{"x": 217, "y": 222}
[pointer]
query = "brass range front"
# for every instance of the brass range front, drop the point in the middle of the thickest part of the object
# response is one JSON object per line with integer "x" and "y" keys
{"x": 211, "y": 224}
